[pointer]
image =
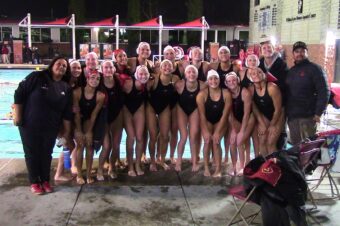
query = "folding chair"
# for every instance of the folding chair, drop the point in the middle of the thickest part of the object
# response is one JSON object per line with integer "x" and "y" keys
{"x": 267, "y": 172}
{"x": 331, "y": 147}
{"x": 306, "y": 158}
{"x": 238, "y": 192}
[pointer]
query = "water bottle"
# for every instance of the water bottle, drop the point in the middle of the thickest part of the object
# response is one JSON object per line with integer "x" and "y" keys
{"x": 67, "y": 158}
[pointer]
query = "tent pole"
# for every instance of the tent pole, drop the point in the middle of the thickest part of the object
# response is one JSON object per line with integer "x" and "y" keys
{"x": 160, "y": 38}
{"x": 117, "y": 31}
{"x": 73, "y": 37}
{"x": 29, "y": 30}
{"x": 202, "y": 37}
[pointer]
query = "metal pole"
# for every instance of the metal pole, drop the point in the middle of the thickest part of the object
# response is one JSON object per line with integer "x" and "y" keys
{"x": 117, "y": 31}
{"x": 202, "y": 36}
{"x": 160, "y": 38}
{"x": 29, "y": 30}
{"x": 73, "y": 37}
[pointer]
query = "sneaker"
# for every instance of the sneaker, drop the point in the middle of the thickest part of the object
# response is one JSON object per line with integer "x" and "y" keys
{"x": 37, "y": 189}
{"x": 47, "y": 187}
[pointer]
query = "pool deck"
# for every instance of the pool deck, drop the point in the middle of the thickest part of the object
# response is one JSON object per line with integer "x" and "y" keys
{"x": 23, "y": 66}
{"x": 160, "y": 198}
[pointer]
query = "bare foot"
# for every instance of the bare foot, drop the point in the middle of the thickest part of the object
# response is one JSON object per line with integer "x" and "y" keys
{"x": 106, "y": 165}
{"x": 120, "y": 164}
{"x": 173, "y": 160}
{"x": 195, "y": 168}
{"x": 62, "y": 178}
{"x": 74, "y": 170}
{"x": 144, "y": 159}
{"x": 140, "y": 172}
{"x": 80, "y": 180}
{"x": 112, "y": 174}
{"x": 164, "y": 165}
{"x": 178, "y": 167}
{"x": 132, "y": 173}
{"x": 207, "y": 173}
{"x": 100, "y": 177}
{"x": 240, "y": 173}
{"x": 153, "y": 167}
{"x": 89, "y": 180}
{"x": 217, "y": 174}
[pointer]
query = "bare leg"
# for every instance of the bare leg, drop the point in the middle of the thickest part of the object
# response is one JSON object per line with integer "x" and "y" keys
{"x": 151, "y": 122}
{"x": 130, "y": 139}
{"x": 106, "y": 149}
{"x": 116, "y": 128}
{"x": 194, "y": 132}
{"x": 182, "y": 124}
{"x": 164, "y": 126}
{"x": 60, "y": 170}
{"x": 206, "y": 152}
{"x": 174, "y": 134}
{"x": 139, "y": 123}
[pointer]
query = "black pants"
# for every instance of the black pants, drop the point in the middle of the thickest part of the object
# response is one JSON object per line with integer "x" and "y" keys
{"x": 38, "y": 147}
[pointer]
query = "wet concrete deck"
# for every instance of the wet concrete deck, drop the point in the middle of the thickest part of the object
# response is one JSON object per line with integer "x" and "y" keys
{"x": 160, "y": 198}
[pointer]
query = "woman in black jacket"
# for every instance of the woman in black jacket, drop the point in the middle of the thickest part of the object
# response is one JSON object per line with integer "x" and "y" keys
{"x": 42, "y": 102}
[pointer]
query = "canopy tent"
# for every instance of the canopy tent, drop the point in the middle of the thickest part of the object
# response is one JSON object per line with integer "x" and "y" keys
{"x": 156, "y": 23}
{"x": 153, "y": 24}
{"x": 68, "y": 22}
{"x": 200, "y": 24}
{"x": 106, "y": 23}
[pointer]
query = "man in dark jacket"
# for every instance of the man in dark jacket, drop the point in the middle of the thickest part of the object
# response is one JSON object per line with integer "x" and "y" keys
{"x": 307, "y": 95}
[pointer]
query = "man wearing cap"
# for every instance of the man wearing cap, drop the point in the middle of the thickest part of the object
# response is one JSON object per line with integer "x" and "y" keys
{"x": 307, "y": 94}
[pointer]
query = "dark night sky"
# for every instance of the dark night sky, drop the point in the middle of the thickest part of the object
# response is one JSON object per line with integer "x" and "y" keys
{"x": 173, "y": 11}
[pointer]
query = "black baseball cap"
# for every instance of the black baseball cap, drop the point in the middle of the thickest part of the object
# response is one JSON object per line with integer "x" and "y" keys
{"x": 299, "y": 44}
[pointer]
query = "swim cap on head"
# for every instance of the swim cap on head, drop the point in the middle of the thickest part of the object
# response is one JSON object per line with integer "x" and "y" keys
{"x": 74, "y": 61}
{"x": 142, "y": 67}
{"x": 191, "y": 66}
{"x": 168, "y": 47}
{"x": 231, "y": 74}
{"x": 212, "y": 73}
{"x": 223, "y": 48}
{"x": 91, "y": 54}
{"x": 140, "y": 45}
{"x": 250, "y": 56}
{"x": 166, "y": 61}
{"x": 192, "y": 50}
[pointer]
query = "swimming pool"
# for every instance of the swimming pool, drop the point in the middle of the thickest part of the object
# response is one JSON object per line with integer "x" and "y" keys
{"x": 10, "y": 143}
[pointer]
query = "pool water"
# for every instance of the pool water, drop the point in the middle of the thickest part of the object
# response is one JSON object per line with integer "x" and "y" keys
{"x": 10, "y": 142}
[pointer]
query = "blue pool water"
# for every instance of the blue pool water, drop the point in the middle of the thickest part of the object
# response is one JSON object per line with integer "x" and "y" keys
{"x": 10, "y": 143}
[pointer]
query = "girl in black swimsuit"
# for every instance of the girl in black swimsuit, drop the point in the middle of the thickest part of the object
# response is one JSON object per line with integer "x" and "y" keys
{"x": 196, "y": 56}
{"x": 241, "y": 122}
{"x": 187, "y": 115}
{"x": 114, "y": 124}
{"x": 87, "y": 102}
{"x": 59, "y": 174}
{"x": 267, "y": 108}
{"x": 161, "y": 92}
{"x": 178, "y": 69}
{"x": 134, "y": 116}
{"x": 214, "y": 105}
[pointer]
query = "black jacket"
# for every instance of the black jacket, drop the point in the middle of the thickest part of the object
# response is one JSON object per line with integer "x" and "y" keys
{"x": 279, "y": 70}
{"x": 307, "y": 90}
